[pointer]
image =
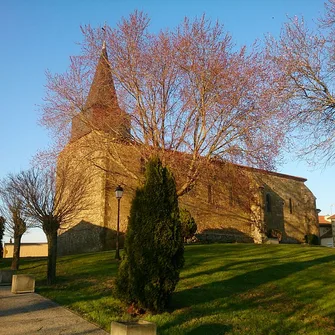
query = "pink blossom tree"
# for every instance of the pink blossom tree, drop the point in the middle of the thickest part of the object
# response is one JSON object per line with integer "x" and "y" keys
{"x": 189, "y": 90}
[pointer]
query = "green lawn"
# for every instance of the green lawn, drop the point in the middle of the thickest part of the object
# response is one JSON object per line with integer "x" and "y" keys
{"x": 224, "y": 289}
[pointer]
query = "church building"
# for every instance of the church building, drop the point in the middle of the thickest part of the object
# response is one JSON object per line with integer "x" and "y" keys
{"x": 230, "y": 203}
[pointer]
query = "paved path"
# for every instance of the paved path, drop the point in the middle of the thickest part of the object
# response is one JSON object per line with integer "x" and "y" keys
{"x": 30, "y": 314}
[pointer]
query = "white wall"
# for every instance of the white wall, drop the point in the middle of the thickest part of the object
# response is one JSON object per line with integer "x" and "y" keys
{"x": 327, "y": 242}
{"x": 27, "y": 250}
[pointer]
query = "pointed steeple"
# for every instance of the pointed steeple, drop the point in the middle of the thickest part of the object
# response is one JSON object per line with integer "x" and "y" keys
{"x": 101, "y": 110}
{"x": 102, "y": 91}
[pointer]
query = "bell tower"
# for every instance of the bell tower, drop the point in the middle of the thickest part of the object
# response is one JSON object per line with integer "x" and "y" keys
{"x": 101, "y": 111}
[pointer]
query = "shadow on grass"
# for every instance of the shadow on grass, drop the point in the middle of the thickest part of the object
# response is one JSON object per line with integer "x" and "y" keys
{"x": 243, "y": 282}
{"x": 200, "y": 254}
{"x": 191, "y": 302}
{"x": 210, "y": 329}
{"x": 25, "y": 262}
{"x": 261, "y": 255}
{"x": 228, "y": 266}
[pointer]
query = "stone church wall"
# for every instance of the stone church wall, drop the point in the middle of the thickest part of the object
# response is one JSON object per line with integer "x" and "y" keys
{"x": 293, "y": 208}
{"x": 220, "y": 202}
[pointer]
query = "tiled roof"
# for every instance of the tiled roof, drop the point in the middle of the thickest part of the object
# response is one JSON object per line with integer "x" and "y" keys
{"x": 332, "y": 217}
{"x": 273, "y": 173}
{"x": 322, "y": 219}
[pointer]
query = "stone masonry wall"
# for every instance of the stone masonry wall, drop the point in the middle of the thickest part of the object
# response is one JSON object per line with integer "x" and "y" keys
{"x": 293, "y": 209}
{"x": 220, "y": 201}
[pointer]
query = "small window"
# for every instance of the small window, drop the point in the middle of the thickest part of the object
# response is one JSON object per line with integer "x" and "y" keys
{"x": 268, "y": 204}
{"x": 142, "y": 165}
{"x": 210, "y": 194}
{"x": 290, "y": 205}
{"x": 231, "y": 198}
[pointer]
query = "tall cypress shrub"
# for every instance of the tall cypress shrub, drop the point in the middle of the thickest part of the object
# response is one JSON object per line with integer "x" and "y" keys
{"x": 154, "y": 252}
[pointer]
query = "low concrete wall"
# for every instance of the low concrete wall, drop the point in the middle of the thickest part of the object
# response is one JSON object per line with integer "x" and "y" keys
{"x": 27, "y": 250}
{"x": 271, "y": 241}
{"x": 23, "y": 284}
{"x": 327, "y": 242}
{"x": 133, "y": 328}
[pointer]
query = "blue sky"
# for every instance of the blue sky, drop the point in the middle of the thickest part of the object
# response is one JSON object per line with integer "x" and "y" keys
{"x": 37, "y": 35}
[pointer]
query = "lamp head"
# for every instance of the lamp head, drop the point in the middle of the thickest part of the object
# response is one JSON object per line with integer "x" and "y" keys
{"x": 118, "y": 192}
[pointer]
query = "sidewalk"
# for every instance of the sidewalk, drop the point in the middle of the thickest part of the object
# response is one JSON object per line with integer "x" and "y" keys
{"x": 30, "y": 314}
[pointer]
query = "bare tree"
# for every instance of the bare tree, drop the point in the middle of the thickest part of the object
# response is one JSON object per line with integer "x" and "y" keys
{"x": 305, "y": 60}
{"x": 2, "y": 231}
{"x": 187, "y": 90}
{"x": 52, "y": 198}
{"x": 16, "y": 221}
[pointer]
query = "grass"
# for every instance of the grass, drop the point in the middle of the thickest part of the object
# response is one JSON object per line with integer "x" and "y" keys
{"x": 224, "y": 289}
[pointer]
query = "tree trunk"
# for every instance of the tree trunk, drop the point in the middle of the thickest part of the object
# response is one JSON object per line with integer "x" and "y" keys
{"x": 16, "y": 252}
{"x": 52, "y": 256}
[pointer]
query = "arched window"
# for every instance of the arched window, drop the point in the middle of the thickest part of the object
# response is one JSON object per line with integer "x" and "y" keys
{"x": 210, "y": 194}
{"x": 268, "y": 203}
{"x": 231, "y": 197}
{"x": 291, "y": 206}
{"x": 142, "y": 165}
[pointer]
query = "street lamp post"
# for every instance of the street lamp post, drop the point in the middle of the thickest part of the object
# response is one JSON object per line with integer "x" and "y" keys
{"x": 118, "y": 195}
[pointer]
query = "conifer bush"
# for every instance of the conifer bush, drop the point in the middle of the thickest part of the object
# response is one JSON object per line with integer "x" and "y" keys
{"x": 188, "y": 225}
{"x": 154, "y": 252}
{"x": 311, "y": 239}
